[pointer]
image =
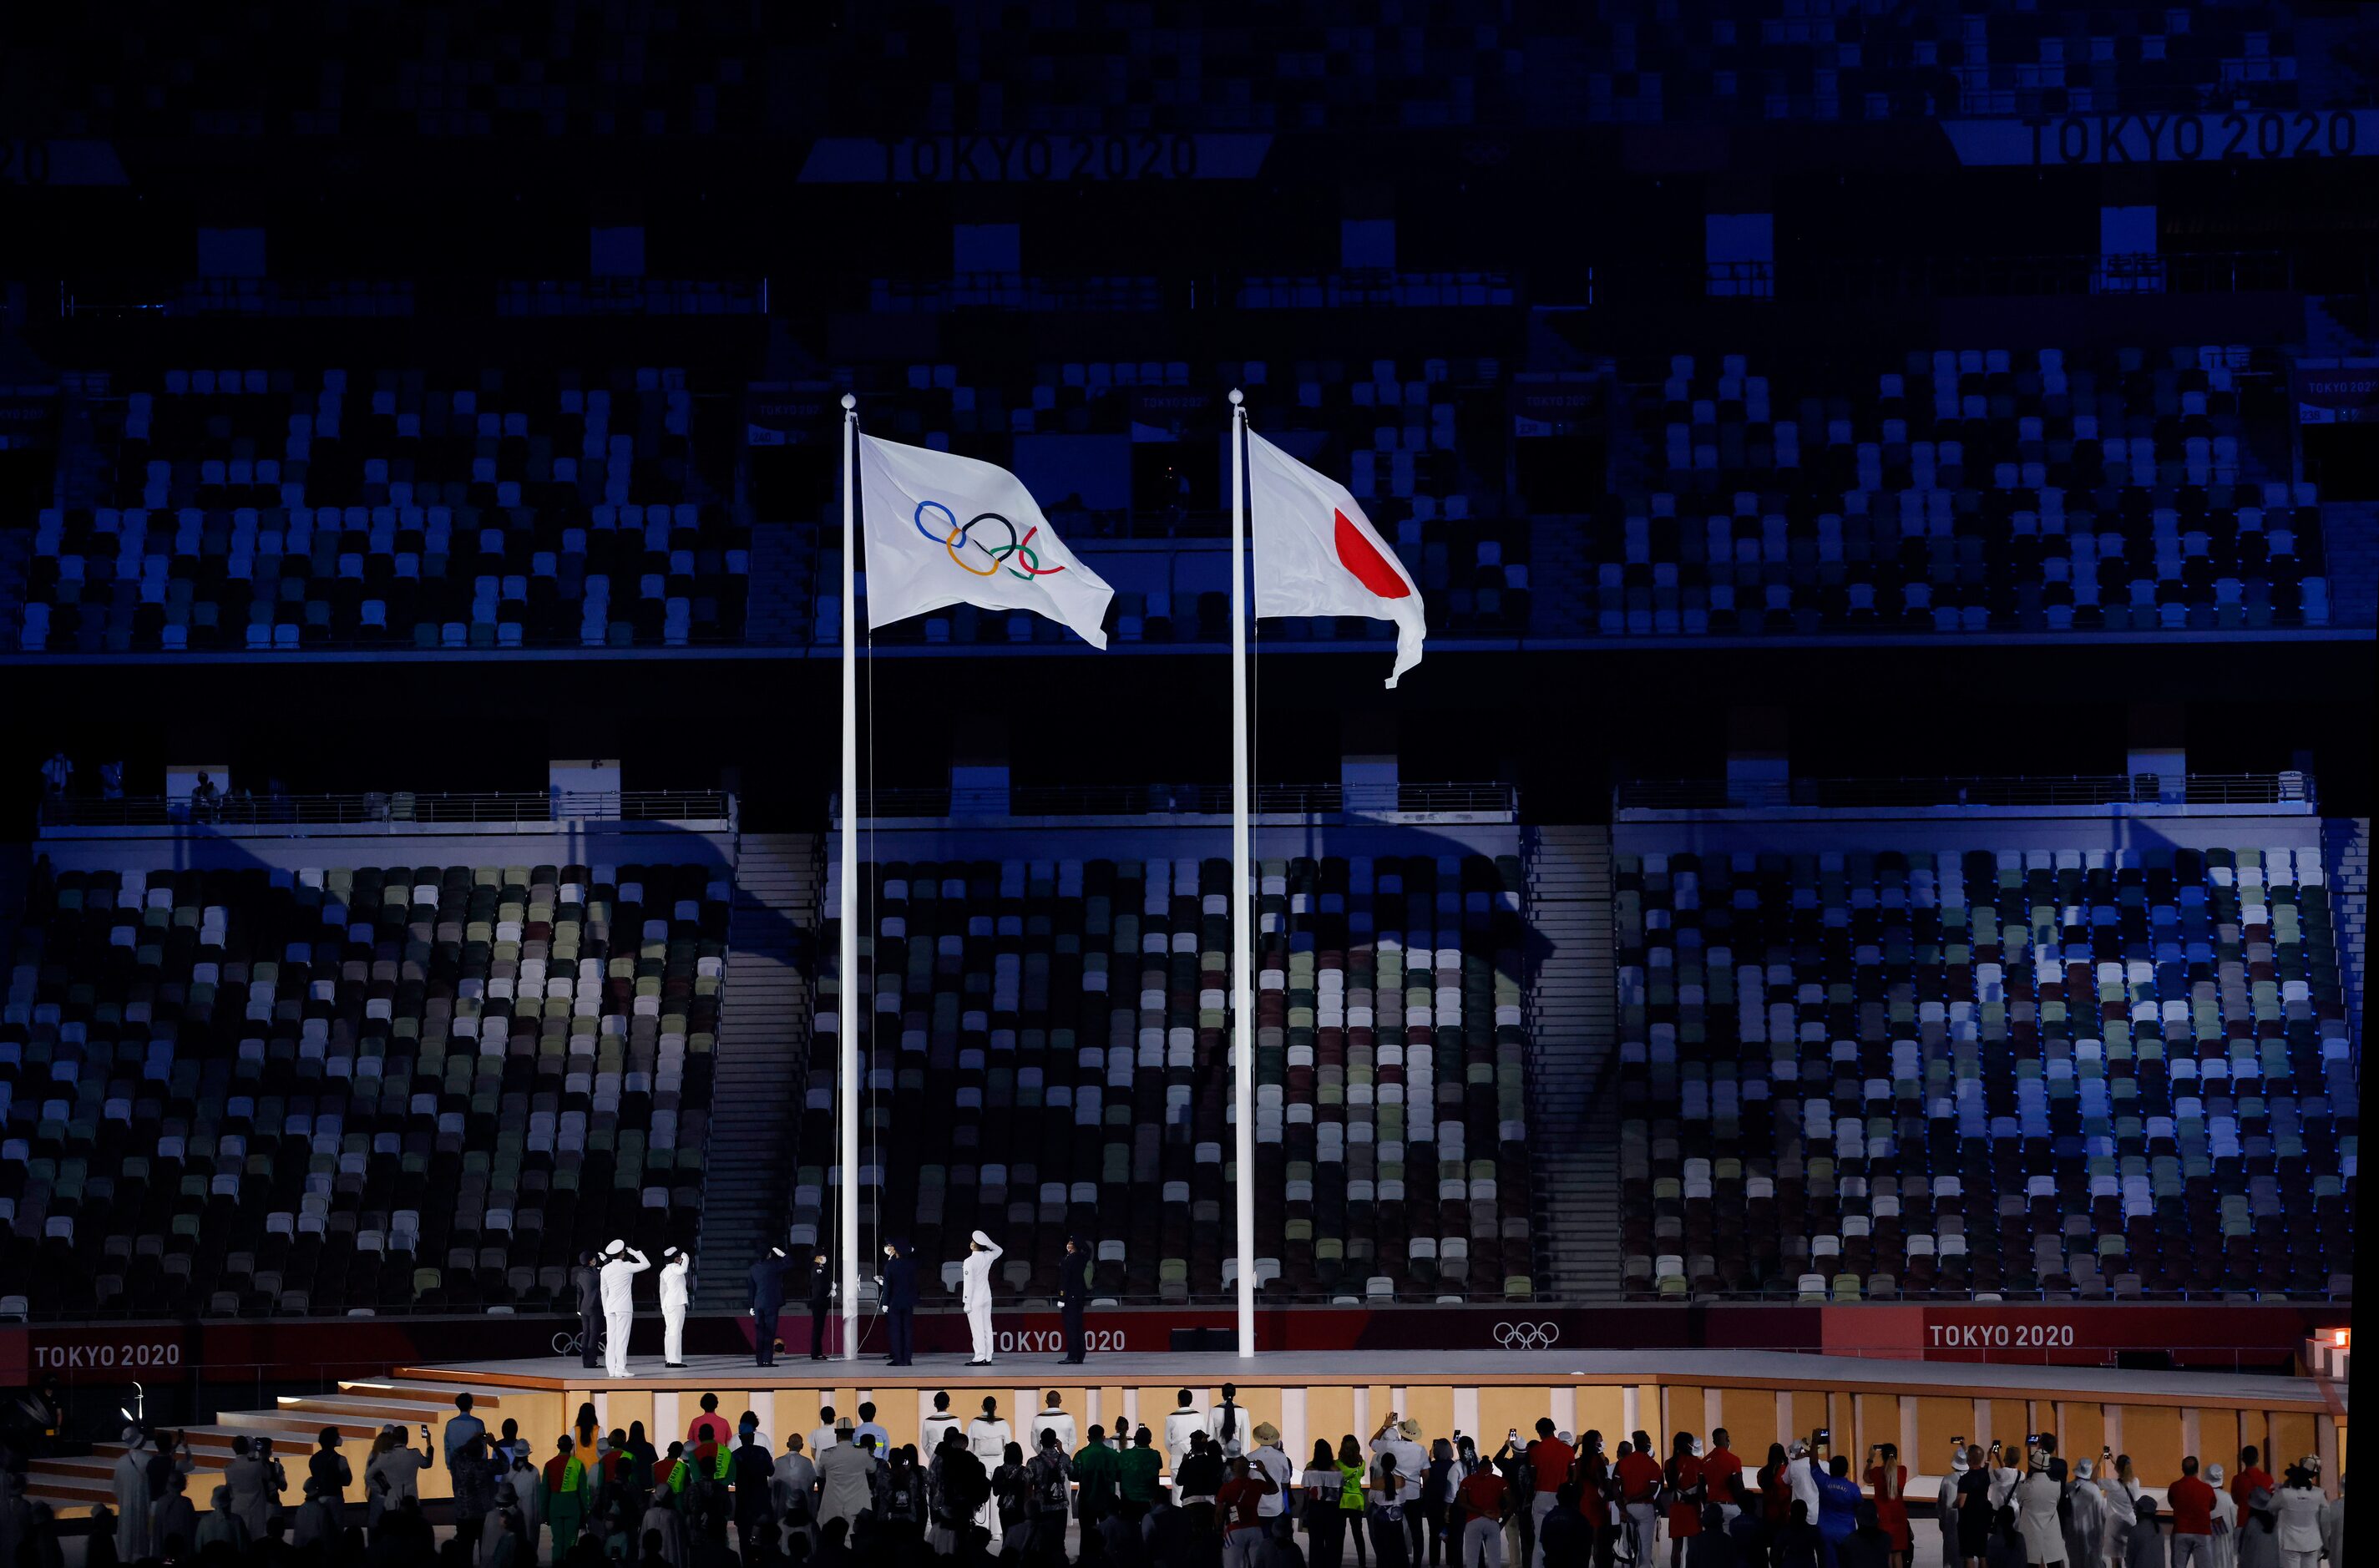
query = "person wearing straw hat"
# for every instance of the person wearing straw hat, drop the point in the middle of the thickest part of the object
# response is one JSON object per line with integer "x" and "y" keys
{"x": 1269, "y": 1457}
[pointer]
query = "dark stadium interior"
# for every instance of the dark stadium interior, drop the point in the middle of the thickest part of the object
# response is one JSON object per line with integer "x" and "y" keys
{"x": 1883, "y": 816}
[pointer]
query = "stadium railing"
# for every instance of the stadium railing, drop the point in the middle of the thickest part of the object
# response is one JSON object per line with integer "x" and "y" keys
{"x": 1196, "y": 799}
{"x": 2285, "y": 789}
{"x": 391, "y": 807}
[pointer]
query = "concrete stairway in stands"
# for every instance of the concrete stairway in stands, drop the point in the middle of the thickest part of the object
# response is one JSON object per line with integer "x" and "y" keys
{"x": 1573, "y": 1034}
{"x": 2345, "y": 843}
{"x": 764, "y": 1048}
{"x": 778, "y": 603}
{"x": 360, "y": 1408}
{"x": 2349, "y": 547}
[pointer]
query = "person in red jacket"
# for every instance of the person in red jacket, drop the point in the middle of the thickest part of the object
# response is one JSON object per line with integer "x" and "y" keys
{"x": 2251, "y": 1477}
{"x": 1638, "y": 1475}
{"x": 2191, "y": 1502}
{"x": 710, "y": 1426}
{"x": 1683, "y": 1482}
{"x": 1887, "y": 1479}
{"x": 1486, "y": 1502}
{"x": 1240, "y": 1502}
{"x": 1723, "y": 1474}
{"x": 1594, "y": 1486}
{"x": 1550, "y": 1461}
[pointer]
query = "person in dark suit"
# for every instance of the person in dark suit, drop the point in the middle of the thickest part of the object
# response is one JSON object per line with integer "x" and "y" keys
{"x": 587, "y": 1280}
{"x": 821, "y": 1302}
{"x": 1074, "y": 1294}
{"x": 755, "y": 1474}
{"x": 900, "y": 1282}
{"x": 767, "y": 1302}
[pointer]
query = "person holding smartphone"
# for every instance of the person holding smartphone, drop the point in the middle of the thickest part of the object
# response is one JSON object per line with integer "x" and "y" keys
{"x": 1887, "y": 1479}
{"x": 394, "y": 1471}
{"x": 1945, "y": 1501}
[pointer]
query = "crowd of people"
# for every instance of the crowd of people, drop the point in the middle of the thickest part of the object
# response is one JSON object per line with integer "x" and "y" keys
{"x": 1210, "y": 1488}
{"x": 2001, "y": 1508}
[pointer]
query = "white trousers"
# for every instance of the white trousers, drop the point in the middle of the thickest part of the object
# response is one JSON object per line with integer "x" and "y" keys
{"x": 979, "y": 1327}
{"x": 673, "y": 1334}
{"x": 1540, "y": 1504}
{"x": 1642, "y": 1519}
{"x": 615, "y": 1342}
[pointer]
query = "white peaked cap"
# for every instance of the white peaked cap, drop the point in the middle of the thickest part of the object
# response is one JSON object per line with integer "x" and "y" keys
{"x": 617, "y": 1246}
{"x": 776, "y": 1251}
{"x": 983, "y": 1238}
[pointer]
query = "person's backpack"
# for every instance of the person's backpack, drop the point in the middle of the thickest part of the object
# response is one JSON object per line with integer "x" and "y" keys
{"x": 1049, "y": 1489}
{"x": 1012, "y": 1497}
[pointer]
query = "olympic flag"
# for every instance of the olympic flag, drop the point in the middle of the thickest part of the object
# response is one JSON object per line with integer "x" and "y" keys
{"x": 1317, "y": 554}
{"x": 944, "y": 529}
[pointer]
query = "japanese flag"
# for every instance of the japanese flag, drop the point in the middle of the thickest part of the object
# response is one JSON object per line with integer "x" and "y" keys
{"x": 1317, "y": 554}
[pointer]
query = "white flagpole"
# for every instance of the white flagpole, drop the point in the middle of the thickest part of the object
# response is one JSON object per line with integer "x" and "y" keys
{"x": 1243, "y": 1000}
{"x": 848, "y": 1000}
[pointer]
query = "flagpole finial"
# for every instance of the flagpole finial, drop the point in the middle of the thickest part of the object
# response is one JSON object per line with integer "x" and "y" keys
{"x": 1237, "y": 397}
{"x": 849, "y": 401}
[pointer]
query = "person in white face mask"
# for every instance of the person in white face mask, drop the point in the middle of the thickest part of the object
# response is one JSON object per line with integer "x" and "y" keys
{"x": 976, "y": 1285}
{"x": 677, "y": 1266}
{"x": 621, "y": 1264}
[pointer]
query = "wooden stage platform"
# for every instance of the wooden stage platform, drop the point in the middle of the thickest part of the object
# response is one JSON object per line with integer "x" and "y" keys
{"x": 1759, "y": 1396}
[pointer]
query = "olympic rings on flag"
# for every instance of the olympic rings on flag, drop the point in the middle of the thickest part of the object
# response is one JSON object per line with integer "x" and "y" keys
{"x": 1023, "y": 562}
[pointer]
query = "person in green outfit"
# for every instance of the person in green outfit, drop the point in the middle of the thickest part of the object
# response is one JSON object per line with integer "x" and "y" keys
{"x": 1352, "y": 1502}
{"x": 1098, "y": 1470}
{"x": 1136, "y": 1469}
{"x": 565, "y": 1496}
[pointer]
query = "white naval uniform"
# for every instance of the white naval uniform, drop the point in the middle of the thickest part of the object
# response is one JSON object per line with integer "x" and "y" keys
{"x": 674, "y": 1294}
{"x": 976, "y": 1274}
{"x": 619, "y": 1309}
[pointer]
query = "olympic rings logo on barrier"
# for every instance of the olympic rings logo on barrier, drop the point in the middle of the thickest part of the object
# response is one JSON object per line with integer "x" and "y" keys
{"x": 1017, "y": 556}
{"x": 1528, "y": 1336}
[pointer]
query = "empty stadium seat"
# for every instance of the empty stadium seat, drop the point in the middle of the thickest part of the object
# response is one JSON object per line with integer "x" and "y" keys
{"x": 1049, "y": 1055}
{"x": 270, "y": 1091}
{"x": 1916, "y": 1074}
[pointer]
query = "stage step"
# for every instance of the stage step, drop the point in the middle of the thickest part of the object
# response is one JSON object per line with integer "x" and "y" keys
{"x": 301, "y": 1427}
{"x": 1573, "y": 1034}
{"x": 439, "y": 1396}
{"x": 764, "y": 1047}
{"x": 62, "y": 1491}
{"x": 360, "y": 1409}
